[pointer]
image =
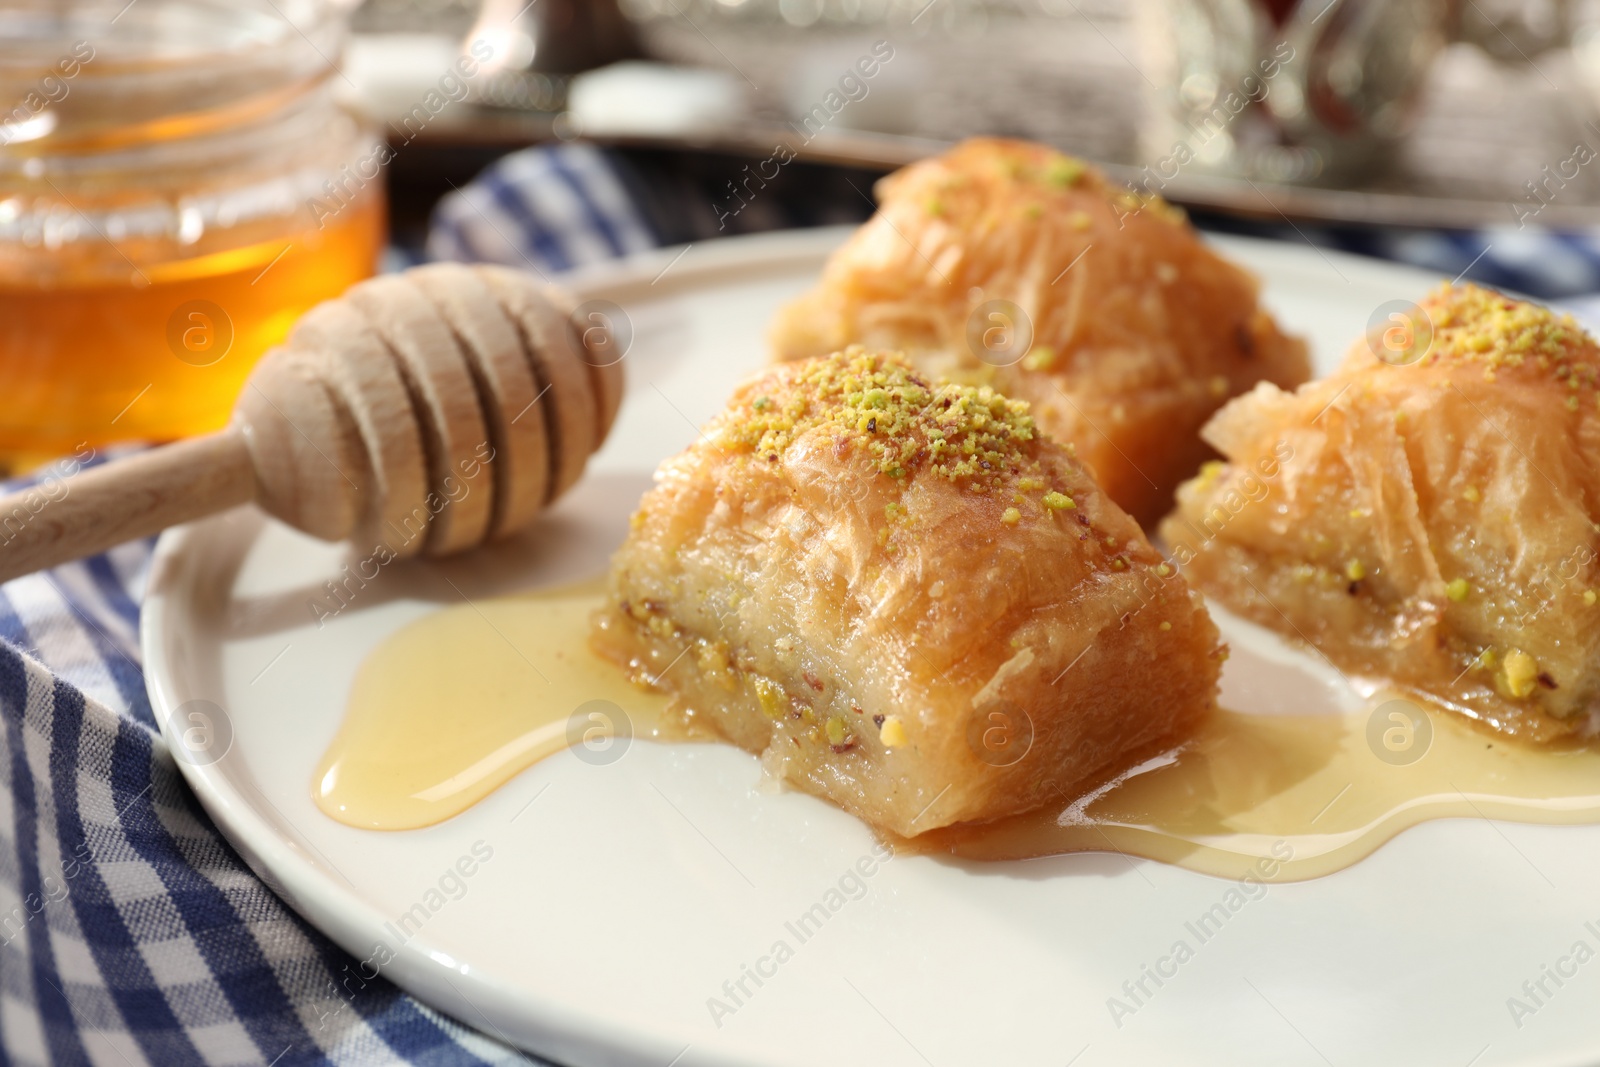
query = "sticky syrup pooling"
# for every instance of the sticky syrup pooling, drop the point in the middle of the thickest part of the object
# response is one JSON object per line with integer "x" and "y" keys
{"x": 456, "y": 704}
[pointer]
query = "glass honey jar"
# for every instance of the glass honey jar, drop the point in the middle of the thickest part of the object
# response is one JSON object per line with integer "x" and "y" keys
{"x": 178, "y": 183}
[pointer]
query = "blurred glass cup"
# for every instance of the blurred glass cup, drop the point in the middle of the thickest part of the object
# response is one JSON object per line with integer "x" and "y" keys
{"x": 1305, "y": 91}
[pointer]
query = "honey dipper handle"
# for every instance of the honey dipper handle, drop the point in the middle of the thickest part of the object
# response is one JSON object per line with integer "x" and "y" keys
{"x": 119, "y": 501}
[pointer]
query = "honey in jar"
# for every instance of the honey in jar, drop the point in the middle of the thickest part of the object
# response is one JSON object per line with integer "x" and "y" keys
{"x": 176, "y": 188}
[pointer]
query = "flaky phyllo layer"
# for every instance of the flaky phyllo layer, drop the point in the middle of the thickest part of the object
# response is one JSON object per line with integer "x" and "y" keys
{"x": 1427, "y": 515}
{"x": 1006, "y": 263}
{"x": 904, "y": 598}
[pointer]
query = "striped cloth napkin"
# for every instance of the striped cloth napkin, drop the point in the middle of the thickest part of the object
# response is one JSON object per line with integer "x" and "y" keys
{"x": 130, "y": 932}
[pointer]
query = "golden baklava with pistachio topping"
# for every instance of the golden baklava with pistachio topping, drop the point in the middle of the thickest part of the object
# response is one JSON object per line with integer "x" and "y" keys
{"x": 1009, "y": 264}
{"x": 904, "y": 598}
{"x": 1425, "y": 516}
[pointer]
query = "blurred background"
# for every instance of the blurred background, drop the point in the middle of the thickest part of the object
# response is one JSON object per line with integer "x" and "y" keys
{"x": 180, "y": 179}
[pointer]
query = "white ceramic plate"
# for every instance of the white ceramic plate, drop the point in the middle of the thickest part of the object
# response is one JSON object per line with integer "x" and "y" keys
{"x": 619, "y": 898}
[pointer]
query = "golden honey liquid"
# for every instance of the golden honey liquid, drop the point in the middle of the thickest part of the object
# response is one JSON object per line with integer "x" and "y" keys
{"x": 138, "y": 355}
{"x": 456, "y": 704}
{"x": 453, "y": 706}
{"x": 1305, "y": 795}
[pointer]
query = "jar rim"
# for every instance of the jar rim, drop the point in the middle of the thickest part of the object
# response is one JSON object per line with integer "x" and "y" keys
{"x": 143, "y": 32}
{"x": 84, "y": 75}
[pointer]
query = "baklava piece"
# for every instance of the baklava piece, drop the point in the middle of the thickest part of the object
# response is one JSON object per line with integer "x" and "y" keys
{"x": 904, "y": 599}
{"x": 1425, "y": 516}
{"x": 1008, "y": 264}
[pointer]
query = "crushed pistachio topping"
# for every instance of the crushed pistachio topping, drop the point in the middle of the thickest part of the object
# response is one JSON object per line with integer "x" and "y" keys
{"x": 1059, "y": 501}
{"x": 769, "y": 695}
{"x": 1518, "y": 674}
{"x": 1210, "y": 471}
{"x": 1011, "y": 516}
{"x": 1041, "y": 357}
{"x": 1480, "y": 326}
{"x": 957, "y": 432}
{"x": 1355, "y": 570}
{"x": 1471, "y": 494}
{"x": 1164, "y": 627}
{"x": 892, "y": 732}
{"x": 1058, "y": 171}
{"x": 836, "y": 730}
{"x": 1589, "y": 597}
{"x": 1063, "y": 171}
{"x": 1458, "y": 590}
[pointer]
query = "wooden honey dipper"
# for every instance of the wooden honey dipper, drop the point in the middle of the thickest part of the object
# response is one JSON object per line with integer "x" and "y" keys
{"x": 427, "y": 411}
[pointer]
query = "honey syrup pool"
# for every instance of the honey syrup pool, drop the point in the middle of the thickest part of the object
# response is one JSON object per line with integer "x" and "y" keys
{"x": 457, "y": 703}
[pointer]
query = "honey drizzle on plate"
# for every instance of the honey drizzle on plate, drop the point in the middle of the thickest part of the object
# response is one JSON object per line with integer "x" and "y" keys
{"x": 451, "y": 707}
{"x": 457, "y": 703}
{"x": 1310, "y": 792}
